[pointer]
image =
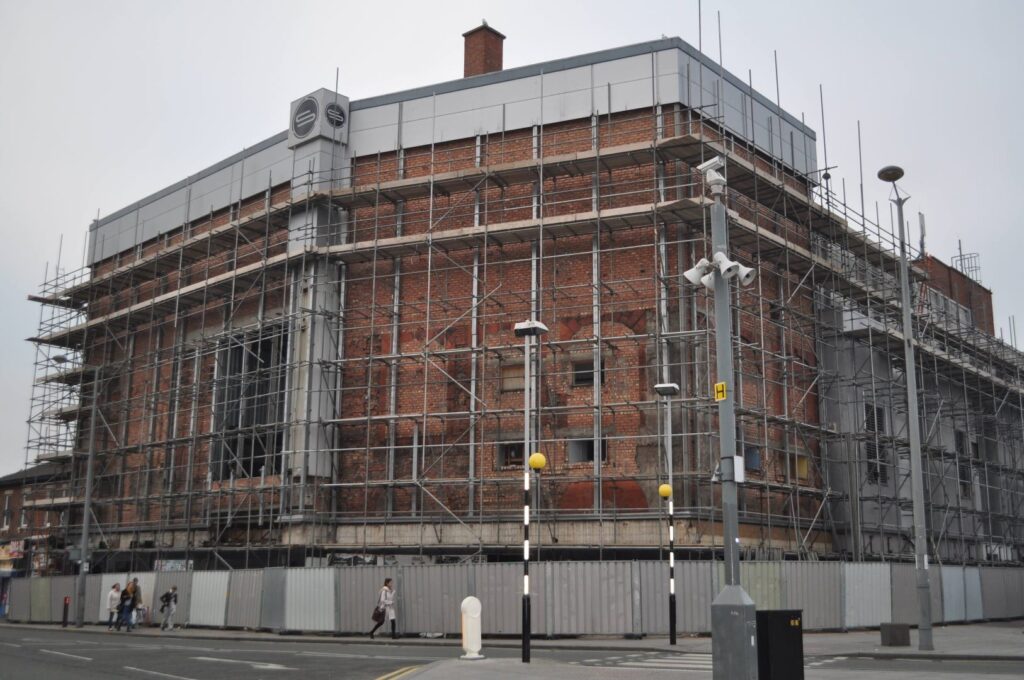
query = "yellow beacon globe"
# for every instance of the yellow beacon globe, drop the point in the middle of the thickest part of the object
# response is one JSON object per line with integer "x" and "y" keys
{"x": 664, "y": 490}
{"x": 538, "y": 461}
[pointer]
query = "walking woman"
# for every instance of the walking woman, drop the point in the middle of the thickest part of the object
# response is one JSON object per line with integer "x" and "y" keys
{"x": 385, "y": 609}
{"x": 113, "y": 602}
{"x": 125, "y": 608}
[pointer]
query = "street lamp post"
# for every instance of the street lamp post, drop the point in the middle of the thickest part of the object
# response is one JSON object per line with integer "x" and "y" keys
{"x": 527, "y": 330}
{"x": 892, "y": 174}
{"x": 733, "y": 614}
{"x": 667, "y": 391}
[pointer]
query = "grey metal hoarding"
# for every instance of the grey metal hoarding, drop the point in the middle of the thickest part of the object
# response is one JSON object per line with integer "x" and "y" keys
{"x": 429, "y": 597}
{"x": 502, "y": 604}
{"x": 309, "y": 601}
{"x": 592, "y": 598}
{"x": 61, "y": 587}
{"x": 357, "y": 592}
{"x": 20, "y": 602}
{"x": 40, "y": 599}
{"x": 209, "y": 601}
{"x": 904, "y": 594}
{"x": 273, "y": 600}
{"x": 693, "y": 590}
{"x": 867, "y": 594}
{"x": 972, "y": 594}
{"x": 954, "y": 605}
{"x": 816, "y": 588}
{"x": 245, "y": 595}
{"x": 163, "y": 583}
{"x": 94, "y": 595}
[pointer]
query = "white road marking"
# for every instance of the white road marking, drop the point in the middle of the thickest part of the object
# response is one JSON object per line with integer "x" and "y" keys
{"x": 73, "y": 656}
{"x": 257, "y": 665}
{"x": 9, "y": 644}
{"x": 342, "y": 655}
{"x": 157, "y": 673}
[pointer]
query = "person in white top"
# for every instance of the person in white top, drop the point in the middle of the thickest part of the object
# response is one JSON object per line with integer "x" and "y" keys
{"x": 386, "y": 603}
{"x": 113, "y": 600}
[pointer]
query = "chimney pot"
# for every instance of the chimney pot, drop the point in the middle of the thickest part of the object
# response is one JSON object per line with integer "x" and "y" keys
{"x": 483, "y": 50}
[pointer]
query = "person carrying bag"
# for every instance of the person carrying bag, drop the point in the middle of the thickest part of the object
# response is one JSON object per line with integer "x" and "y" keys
{"x": 385, "y": 609}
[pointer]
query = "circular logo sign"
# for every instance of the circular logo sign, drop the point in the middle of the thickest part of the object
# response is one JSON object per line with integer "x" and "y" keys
{"x": 335, "y": 115}
{"x": 305, "y": 117}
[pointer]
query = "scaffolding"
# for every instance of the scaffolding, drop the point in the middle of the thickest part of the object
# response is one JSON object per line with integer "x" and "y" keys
{"x": 328, "y": 369}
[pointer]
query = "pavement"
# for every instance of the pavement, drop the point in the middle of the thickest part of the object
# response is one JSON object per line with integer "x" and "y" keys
{"x": 990, "y": 650}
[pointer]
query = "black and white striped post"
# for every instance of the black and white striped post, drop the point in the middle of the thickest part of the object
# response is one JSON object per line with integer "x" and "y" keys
{"x": 666, "y": 492}
{"x": 536, "y": 461}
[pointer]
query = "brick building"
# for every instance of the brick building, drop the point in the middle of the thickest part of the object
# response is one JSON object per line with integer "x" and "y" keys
{"x": 305, "y": 351}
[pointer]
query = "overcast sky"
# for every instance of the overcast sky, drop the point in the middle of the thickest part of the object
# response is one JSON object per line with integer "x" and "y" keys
{"x": 106, "y": 102}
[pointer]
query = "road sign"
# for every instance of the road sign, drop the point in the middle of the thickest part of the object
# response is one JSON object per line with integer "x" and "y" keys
{"x": 720, "y": 391}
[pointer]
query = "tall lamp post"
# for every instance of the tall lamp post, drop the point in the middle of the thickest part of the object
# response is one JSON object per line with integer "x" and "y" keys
{"x": 892, "y": 174}
{"x": 527, "y": 330}
{"x": 667, "y": 391}
{"x": 733, "y": 614}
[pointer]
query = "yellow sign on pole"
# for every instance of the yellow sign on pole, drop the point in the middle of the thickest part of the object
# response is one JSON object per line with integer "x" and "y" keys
{"x": 720, "y": 391}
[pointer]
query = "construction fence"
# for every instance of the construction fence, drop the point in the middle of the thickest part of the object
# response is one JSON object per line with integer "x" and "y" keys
{"x": 569, "y": 598}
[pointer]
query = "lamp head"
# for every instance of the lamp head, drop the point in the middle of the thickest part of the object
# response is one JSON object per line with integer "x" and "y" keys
{"x": 528, "y": 328}
{"x": 890, "y": 173}
{"x": 665, "y": 491}
{"x": 537, "y": 461}
{"x": 667, "y": 389}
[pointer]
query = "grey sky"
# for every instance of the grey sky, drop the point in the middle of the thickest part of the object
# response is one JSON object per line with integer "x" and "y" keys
{"x": 105, "y": 102}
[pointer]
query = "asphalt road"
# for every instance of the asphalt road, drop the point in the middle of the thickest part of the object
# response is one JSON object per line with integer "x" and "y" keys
{"x": 45, "y": 654}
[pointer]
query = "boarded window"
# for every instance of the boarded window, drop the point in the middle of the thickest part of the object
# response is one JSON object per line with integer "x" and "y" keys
{"x": 799, "y": 468}
{"x": 513, "y": 377}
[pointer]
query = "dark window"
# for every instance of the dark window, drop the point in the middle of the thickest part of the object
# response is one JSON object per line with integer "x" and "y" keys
{"x": 248, "y": 429}
{"x": 966, "y": 480}
{"x": 752, "y": 458}
{"x": 510, "y": 453}
{"x": 583, "y": 373}
{"x": 877, "y": 456}
{"x": 582, "y": 450}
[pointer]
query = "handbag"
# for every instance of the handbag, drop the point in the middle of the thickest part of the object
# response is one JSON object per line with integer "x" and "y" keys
{"x": 378, "y": 615}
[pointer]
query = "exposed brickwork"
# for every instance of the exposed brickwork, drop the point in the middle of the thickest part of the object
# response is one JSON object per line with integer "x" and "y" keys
{"x": 483, "y": 48}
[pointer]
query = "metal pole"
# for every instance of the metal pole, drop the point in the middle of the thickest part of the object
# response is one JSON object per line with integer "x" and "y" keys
{"x": 526, "y": 499}
{"x": 924, "y": 597}
{"x": 669, "y": 497}
{"x": 90, "y": 464}
{"x": 733, "y": 614}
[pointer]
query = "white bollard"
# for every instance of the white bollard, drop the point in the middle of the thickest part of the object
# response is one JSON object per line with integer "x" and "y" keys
{"x": 471, "y": 642}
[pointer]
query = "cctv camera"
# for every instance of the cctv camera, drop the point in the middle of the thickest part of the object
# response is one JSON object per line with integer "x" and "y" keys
{"x": 699, "y": 270}
{"x": 715, "y": 163}
{"x": 728, "y": 268}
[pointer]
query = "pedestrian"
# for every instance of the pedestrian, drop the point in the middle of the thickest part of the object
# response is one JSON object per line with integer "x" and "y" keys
{"x": 113, "y": 605}
{"x": 136, "y": 615}
{"x": 124, "y": 608}
{"x": 385, "y": 609}
{"x": 168, "y": 603}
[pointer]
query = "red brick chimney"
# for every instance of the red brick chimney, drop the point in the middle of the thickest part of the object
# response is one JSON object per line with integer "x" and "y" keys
{"x": 483, "y": 50}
